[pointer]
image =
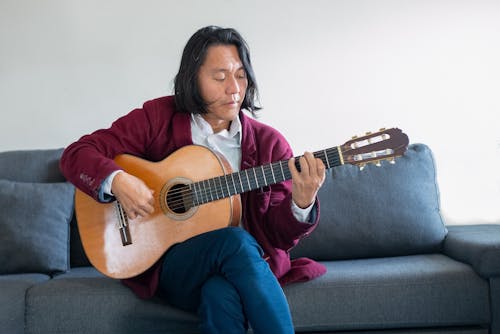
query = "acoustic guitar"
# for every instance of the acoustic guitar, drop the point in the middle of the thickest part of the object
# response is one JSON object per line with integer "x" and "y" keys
{"x": 196, "y": 192}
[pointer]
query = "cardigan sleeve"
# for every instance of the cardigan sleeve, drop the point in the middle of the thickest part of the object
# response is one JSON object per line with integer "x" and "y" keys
{"x": 89, "y": 161}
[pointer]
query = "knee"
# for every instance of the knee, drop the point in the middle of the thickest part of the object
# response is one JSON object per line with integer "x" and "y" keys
{"x": 239, "y": 241}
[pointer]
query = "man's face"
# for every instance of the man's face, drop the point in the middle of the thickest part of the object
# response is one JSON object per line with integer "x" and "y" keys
{"x": 223, "y": 83}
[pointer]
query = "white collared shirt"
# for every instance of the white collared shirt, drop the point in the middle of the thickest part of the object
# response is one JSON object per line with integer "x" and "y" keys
{"x": 225, "y": 142}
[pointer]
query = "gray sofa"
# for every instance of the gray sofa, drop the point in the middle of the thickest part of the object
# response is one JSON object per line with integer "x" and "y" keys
{"x": 393, "y": 265}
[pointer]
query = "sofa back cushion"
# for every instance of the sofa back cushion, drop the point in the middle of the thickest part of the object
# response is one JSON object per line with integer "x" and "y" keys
{"x": 34, "y": 225}
{"x": 40, "y": 167}
{"x": 390, "y": 210}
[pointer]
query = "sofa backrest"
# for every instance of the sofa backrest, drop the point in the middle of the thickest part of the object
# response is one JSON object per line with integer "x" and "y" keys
{"x": 31, "y": 166}
{"x": 390, "y": 210}
{"x": 42, "y": 166}
{"x": 380, "y": 211}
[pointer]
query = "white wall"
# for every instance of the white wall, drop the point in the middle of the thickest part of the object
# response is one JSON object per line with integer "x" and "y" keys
{"x": 327, "y": 70}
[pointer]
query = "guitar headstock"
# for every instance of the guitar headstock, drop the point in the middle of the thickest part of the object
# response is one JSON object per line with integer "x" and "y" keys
{"x": 385, "y": 144}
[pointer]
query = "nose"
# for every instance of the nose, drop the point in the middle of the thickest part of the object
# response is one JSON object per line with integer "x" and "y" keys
{"x": 233, "y": 86}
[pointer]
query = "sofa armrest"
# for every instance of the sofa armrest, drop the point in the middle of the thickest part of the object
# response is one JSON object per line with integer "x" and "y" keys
{"x": 476, "y": 245}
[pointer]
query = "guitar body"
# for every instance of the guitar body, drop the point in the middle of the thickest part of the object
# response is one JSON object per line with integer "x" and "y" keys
{"x": 149, "y": 238}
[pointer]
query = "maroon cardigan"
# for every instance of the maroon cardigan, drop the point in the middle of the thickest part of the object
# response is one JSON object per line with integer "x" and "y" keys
{"x": 155, "y": 131}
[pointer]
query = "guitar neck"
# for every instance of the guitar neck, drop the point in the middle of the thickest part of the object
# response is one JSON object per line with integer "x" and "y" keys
{"x": 253, "y": 178}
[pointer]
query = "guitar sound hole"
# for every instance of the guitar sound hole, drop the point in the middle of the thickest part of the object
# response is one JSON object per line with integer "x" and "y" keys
{"x": 179, "y": 198}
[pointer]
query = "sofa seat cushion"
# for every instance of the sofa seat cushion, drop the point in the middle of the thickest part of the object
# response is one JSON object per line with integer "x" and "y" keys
{"x": 85, "y": 300}
{"x": 12, "y": 296}
{"x": 400, "y": 292}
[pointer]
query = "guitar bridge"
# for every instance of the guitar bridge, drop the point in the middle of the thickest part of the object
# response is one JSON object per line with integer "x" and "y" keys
{"x": 125, "y": 235}
{"x": 123, "y": 225}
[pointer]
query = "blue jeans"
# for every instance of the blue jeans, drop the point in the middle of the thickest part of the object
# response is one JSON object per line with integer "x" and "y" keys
{"x": 222, "y": 276}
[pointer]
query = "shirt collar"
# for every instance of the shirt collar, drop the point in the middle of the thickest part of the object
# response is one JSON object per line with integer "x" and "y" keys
{"x": 206, "y": 129}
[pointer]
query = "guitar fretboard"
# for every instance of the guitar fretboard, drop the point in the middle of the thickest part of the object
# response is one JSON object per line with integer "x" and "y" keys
{"x": 253, "y": 178}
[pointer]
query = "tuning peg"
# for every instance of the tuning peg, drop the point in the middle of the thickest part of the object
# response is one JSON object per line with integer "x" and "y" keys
{"x": 377, "y": 163}
{"x": 362, "y": 166}
{"x": 368, "y": 133}
{"x": 382, "y": 129}
{"x": 392, "y": 161}
{"x": 354, "y": 137}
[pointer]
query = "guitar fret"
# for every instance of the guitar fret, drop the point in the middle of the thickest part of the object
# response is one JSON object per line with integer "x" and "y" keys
{"x": 234, "y": 183}
{"x": 326, "y": 158}
{"x": 282, "y": 172}
{"x": 264, "y": 175}
{"x": 221, "y": 187}
{"x": 191, "y": 193}
{"x": 255, "y": 175}
{"x": 215, "y": 190}
{"x": 192, "y": 187}
{"x": 200, "y": 192}
{"x": 203, "y": 192}
{"x": 227, "y": 185}
{"x": 248, "y": 179}
{"x": 272, "y": 172}
{"x": 241, "y": 183}
{"x": 282, "y": 177}
{"x": 210, "y": 190}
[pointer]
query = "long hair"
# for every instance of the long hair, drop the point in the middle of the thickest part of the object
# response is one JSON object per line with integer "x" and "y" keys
{"x": 187, "y": 93}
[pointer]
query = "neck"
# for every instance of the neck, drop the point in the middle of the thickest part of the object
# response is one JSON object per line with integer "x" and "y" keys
{"x": 217, "y": 124}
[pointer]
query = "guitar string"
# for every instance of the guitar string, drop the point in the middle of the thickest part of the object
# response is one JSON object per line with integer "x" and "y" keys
{"x": 211, "y": 192}
{"x": 185, "y": 195}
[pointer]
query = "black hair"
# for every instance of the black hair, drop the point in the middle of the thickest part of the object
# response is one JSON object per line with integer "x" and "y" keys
{"x": 187, "y": 93}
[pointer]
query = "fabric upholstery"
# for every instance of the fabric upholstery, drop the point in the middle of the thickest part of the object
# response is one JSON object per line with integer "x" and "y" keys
{"x": 495, "y": 304}
{"x": 371, "y": 294}
{"x": 34, "y": 225}
{"x": 390, "y": 210}
{"x": 431, "y": 294}
{"x": 399, "y": 292}
{"x": 31, "y": 165}
{"x": 12, "y": 300}
{"x": 41, "y": 166}
{"x": 79, "y": 299}
{"x": 477, "y": 245}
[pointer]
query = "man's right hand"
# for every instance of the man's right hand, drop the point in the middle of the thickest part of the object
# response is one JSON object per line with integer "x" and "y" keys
{"x": 134, "y": 195}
